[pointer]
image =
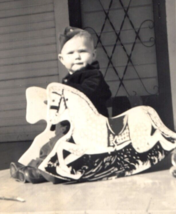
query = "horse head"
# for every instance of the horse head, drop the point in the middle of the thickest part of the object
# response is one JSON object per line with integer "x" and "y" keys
{"x": 57, "y": 105}
{"x": 36, "y": 108}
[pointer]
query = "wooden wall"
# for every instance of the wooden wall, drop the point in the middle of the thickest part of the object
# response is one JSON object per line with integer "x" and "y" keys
{"x": 28, "y": 57}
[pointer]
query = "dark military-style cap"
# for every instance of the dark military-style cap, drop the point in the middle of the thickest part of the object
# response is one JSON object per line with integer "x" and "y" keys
{"x": 69, "y": 33}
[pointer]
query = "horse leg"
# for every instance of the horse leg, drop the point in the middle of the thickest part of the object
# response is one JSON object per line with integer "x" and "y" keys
{"x": 78, "y": 150}
{"x": 75, "y": 150}
{"x": 61, "y": 157}
{"x": 99, "y": 149}
{"x": 122, "y": 145}
{"x": 63, "y": 169}
{"x": 166, "y": 145}
{"x": 153, "y": 139}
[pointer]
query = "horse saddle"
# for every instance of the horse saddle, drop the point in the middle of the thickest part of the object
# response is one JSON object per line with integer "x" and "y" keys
{"x": 116, "y": 124}
{"x": 121, "y": 132}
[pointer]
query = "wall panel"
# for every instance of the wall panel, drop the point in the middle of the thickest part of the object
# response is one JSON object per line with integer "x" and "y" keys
{"x": 28, "y": 57}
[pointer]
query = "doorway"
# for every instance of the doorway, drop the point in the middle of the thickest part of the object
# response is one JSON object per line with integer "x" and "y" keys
{"x": 131, "y": 41}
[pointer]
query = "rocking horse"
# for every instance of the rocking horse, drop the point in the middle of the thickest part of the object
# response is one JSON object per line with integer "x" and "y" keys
{"x": 96, "y": 148}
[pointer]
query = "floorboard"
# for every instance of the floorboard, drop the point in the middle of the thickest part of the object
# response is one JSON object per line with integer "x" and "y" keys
{"x": 149, "y": 193}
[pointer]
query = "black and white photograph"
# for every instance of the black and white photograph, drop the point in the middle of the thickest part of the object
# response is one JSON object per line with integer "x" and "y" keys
{"x": 87, "y": 106}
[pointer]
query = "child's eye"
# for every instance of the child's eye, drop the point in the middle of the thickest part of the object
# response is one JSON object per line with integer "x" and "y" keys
{"x": 71, "y": 52}
{"x": 83, "y": 51}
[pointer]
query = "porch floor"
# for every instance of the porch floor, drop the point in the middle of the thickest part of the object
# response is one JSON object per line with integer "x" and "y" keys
{"x": 153, "y": 192}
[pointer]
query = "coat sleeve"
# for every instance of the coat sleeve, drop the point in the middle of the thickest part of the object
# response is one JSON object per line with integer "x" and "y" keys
{"x": 93, "y": 85}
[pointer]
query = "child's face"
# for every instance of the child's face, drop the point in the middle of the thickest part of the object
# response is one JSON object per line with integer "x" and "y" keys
{"x": 77, "y": 53}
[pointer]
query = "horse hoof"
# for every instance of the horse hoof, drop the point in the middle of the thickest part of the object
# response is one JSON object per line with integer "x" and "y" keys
{"x": 78, "y": 175}
{"x": 63, "y": 173}
{"x": 173, "y": 171}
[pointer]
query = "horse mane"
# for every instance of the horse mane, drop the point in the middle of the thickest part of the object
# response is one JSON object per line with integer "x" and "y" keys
{"x": 58, "y": 86}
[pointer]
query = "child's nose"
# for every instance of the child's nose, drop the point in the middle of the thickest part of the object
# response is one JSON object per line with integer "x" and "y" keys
{"x": 77, "y": 55}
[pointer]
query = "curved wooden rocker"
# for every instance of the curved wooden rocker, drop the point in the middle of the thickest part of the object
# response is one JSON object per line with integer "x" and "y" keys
{"x": 96, "y": 148}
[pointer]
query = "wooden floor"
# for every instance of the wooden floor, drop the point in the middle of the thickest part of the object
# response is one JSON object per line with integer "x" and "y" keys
{"x": 151, "y": 193}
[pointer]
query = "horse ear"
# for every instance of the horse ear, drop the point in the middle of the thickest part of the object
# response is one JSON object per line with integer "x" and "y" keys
{"x": 53, "y": 87}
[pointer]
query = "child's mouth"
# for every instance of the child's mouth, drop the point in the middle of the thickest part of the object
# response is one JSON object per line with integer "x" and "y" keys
{"x": 79, "y": 63}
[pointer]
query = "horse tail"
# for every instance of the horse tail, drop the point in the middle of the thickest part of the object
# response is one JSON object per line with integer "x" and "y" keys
{"x": 157, "y": 123}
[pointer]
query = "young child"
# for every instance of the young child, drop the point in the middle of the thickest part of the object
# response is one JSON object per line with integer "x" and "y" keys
{"x": 78, "y": 55}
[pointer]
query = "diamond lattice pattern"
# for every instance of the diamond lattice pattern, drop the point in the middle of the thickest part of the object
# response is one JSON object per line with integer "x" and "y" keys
{"x": 124, "y": 37}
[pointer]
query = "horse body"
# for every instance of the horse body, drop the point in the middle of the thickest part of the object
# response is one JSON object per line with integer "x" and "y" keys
{"x": 91, "y": 129}
{"x": 89, "y": 126}
{"x": 142, "y": 133}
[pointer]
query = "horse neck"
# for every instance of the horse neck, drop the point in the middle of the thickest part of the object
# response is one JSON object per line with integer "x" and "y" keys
{"x": 89, "y": 127}
{"x": 80, "y": 109}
